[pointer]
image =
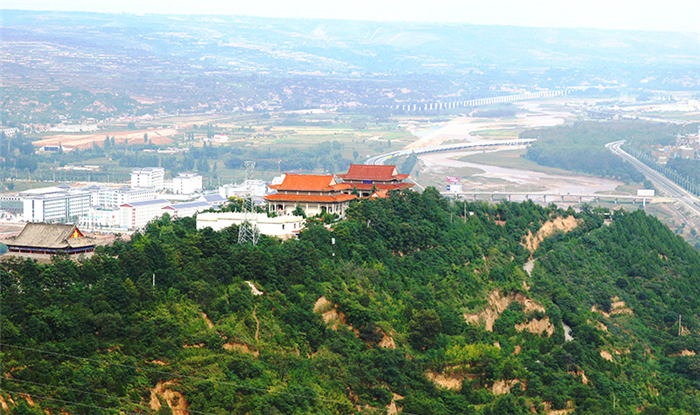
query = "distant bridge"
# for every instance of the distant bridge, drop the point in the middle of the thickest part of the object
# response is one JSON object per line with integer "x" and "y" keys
{"x": 436, "y": 106}
{"x": 380, "y": 159}
{"x": 558, "y": 197}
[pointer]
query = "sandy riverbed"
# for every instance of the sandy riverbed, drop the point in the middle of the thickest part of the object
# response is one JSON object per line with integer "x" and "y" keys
{"x": 532, "y": 115}
{"x": 462, "y": 128}
{"x": 524, "y": 180}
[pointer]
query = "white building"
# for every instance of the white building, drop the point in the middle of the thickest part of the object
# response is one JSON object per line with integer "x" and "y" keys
{"x": 284, "y": 227}
{"x": 215, "y": 200}
{"x": 148, "y": 177}
{"x": 257, "y": 187}
{"x": 187, "y": 183}
{"x": 217, "y": 138}
{"x": 186, "y": 210}
{"x": 100, "y": 218}
{"x": 115, "y": 197}
{"x": 137, "y": 214}
{"x": 55, "y": 204}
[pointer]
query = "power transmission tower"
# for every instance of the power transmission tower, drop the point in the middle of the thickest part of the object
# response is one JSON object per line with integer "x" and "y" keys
{"x": 248, "y": 231}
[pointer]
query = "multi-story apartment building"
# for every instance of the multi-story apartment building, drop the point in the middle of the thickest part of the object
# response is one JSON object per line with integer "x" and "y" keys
{"x": 115, "y": 197}
{"x": 187, "y": 183}
{"x": 55, "y": 204}
{"x": 137, "y": 214}
{"x": 148, "y": 177}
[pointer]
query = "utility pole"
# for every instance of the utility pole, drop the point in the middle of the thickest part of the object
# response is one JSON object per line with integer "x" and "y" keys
{"x": 679, "y": 326}
{"x": 248, "y": 231}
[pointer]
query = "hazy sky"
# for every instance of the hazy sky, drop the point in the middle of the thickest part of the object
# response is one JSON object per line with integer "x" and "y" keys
{"x": 658, "y": 15}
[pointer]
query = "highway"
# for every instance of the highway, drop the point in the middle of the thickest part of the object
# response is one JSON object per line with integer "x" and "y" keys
{"x": 382, "y": 158}
{"x": 691, "y": 202}
{"x": 580, "y": 197}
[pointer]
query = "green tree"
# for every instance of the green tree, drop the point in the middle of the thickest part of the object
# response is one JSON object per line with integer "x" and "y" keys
{"x": 299, "y": 211}
{"x": 423, "y": 329}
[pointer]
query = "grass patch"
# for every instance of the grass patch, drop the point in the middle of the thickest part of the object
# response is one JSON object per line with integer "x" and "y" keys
{"x": 514, "y": 159}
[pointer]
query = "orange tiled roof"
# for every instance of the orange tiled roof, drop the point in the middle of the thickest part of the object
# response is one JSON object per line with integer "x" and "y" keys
{"x": 310, "y": 198}
{"x": 306, "y": 183}
{"x": 382, "y": 194}
{"x": 370, "y": 172}
{"x": 379, "y": 186}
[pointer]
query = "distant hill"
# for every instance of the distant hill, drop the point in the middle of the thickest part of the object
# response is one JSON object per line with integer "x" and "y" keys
{"x": 407, "y": 305}
{"x": 345, "y": 46}
{"x": 153, "y": 63}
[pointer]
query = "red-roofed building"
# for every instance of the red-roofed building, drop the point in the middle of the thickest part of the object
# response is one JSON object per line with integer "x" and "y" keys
{"x": 364, "y": 178}
{"x": 314, "y": 193}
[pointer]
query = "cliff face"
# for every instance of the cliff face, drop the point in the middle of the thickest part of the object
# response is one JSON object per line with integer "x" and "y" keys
{"x": 414, "y": 309}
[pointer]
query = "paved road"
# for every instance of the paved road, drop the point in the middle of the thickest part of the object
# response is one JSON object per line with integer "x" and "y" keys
{"x": 691, "y": 202}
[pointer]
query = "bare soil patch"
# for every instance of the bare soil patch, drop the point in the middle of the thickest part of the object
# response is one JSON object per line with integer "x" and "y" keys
{"x": 392, "y": 409}
{"x": 502, "y": 387}
{"x": 684, "y": 352}
{"x": 240, "y": 347}
{"x": 175, "y": 400}
{"x": 446, "y": 381}
{"x": 387, "y": 342}
{"x": 498, "y": 304}
{"x": 6, "y": 408}
{"x": 532, "y": 242}
{"x": 209, "y": 323}
{"x": 536, "y": 326}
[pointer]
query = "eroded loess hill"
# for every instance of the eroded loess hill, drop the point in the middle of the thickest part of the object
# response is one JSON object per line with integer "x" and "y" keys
{"x": 414, "y": 309}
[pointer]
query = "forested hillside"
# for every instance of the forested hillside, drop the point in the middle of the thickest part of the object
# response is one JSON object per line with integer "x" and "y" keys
{"x": 413, "y": 304}
{"x": 581, "y": 146}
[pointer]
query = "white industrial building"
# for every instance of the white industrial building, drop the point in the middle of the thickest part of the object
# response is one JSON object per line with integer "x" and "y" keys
{"x": 284, "y": 227}
{"x": 187, "y": 183}
{"x": 137, "y": 214}
{"x": 115, "y": 197}
{"x": 152, "y": 177}
{"x": 55, "y": 204}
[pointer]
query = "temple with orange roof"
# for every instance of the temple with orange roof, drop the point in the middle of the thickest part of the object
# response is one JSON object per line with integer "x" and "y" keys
{"x": 368, "y": 178}
{"x": 314, "y": 193}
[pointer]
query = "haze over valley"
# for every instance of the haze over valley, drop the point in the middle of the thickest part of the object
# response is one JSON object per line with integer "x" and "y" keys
{"x": 224, "y": 214}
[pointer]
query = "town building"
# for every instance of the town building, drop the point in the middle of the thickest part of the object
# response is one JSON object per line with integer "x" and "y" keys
{"x": 186, "y": 210}
{"x": 286, "y": 226}
{"x": 11, "y": 203}
{"x": 55, "y": 204}
{"x": 151, "y": 177}
{"x": 686, "y": 153}
{"x": 136, "y": 215}
{"x": 258, "y": 188}
{"x": 187, "y": 183}
{"x": 98, "y": 217}
{"x": 215, "y": 200}
{"x": 216, "y": 138}
{"x": 364, "y": 178}
{"x": 115, "y": 197}
{"x": 315, "y": 194}
{"x": 50, "y": 239}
